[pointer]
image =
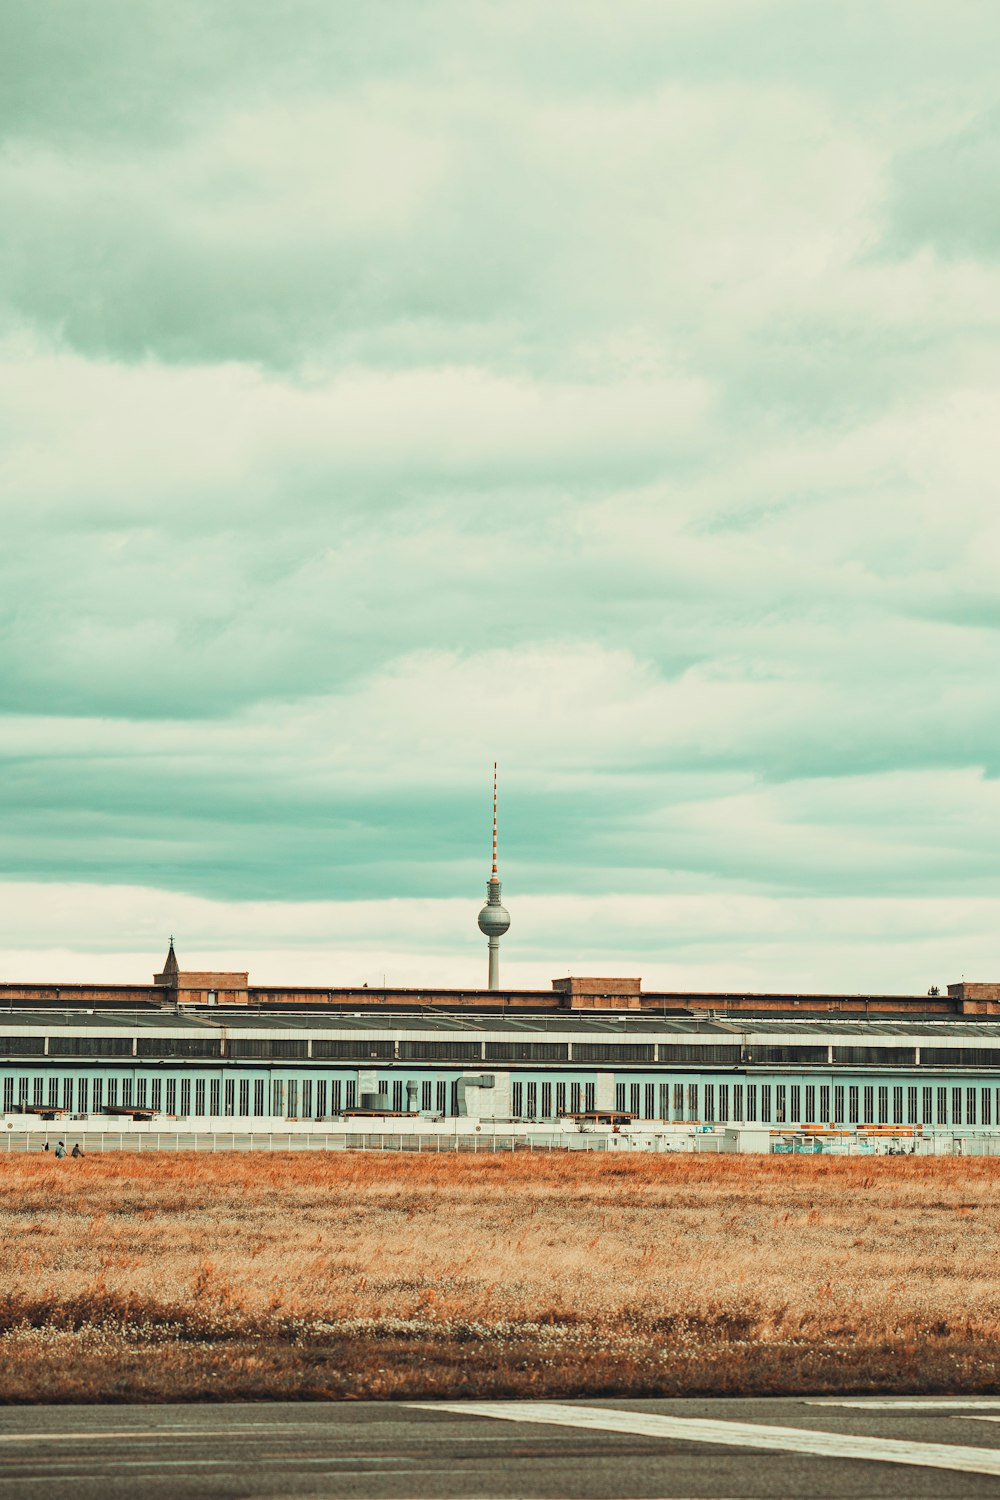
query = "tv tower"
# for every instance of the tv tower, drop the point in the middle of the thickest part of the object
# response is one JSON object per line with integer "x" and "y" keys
{"x": 494, "y": 919}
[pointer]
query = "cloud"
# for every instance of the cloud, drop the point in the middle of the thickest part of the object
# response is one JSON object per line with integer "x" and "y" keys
{"x": 386, "y": 392}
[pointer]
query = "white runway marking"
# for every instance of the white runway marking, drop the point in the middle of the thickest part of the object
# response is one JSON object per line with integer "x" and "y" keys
{"x": 906, "y": 1403}
{"x": 730, "y": 1434}
{"x": 149, "y": 1434}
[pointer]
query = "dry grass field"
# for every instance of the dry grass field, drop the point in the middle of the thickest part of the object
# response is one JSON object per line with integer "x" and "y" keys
{"x": 346, "y": 1276}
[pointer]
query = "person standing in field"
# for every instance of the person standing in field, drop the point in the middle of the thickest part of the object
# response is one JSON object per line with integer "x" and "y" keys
{"x": 60, "y": 1150}
{"x": 76, "y": 1150}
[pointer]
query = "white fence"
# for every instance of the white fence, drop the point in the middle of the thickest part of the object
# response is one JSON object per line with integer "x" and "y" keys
{"x": 489, "y": 1141}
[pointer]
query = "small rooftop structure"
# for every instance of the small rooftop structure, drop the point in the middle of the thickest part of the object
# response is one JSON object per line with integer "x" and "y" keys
{"x": 201, "y": 986}
{"x": 598, "y": 994}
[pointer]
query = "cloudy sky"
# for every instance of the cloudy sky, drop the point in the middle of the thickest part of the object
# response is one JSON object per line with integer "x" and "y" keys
{"x": 609, "y": 389}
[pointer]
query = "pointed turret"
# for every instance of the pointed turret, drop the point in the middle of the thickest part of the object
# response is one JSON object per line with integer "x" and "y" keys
{"x": 171, "y": 969}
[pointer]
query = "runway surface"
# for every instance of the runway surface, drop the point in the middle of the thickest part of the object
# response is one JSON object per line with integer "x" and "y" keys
{"x": 825, "y": 1449}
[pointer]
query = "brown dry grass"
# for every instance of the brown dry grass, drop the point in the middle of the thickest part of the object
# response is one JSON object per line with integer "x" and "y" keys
{"x": 209, "y": 1277}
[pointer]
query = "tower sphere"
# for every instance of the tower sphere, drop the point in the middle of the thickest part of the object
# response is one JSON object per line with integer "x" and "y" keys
{"x": 494, "y": 919}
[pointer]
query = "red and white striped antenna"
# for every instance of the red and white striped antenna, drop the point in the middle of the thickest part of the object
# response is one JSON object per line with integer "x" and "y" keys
{"x": 494, "y": 820}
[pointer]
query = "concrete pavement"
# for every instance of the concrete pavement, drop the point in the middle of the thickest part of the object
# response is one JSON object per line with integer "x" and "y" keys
{"x": 590, "y": 1450}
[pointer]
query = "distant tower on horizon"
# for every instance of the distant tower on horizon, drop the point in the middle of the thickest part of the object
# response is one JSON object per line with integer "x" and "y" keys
{"x": 494, "y": 919}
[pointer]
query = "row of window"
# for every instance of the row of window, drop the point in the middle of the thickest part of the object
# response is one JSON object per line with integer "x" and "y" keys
{"x": 710, "y": 1103}
{"x": 373, "y": 1049}
{"x": 535, "y": 1101}
{"x": 292, "y": 1098}
{"x": 808, "y": 1104}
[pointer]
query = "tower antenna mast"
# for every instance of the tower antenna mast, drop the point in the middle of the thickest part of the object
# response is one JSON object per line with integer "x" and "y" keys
{"x": 494, "y": 919}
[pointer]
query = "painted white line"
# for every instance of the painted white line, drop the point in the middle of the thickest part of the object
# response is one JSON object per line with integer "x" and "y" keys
{"x": 153, "y": 1434}
{"x": 730, "y": 1434}
{"x": 66, "y": 1437}
{"x": 906, "y": 1403}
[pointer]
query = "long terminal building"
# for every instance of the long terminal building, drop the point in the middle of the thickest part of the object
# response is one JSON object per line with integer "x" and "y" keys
{"x": 206, "y": 1050}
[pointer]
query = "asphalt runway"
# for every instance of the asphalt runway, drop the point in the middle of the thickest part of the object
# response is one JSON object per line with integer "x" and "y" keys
{"x": 826, "y": 1449}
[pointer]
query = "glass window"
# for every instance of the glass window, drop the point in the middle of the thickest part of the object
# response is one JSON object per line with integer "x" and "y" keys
{"x": 897, "y": 1106}
{"x": 547, "y": 1101}
{"x": 692, "y": 1101}
{"x": 780, "y": 1107}
{"x": 199, "y": 1096}
{"x": 140, "y": 1093}
{"x": 53, "y": 1092}
{"x": 824, "y": 1104}
{"x": 213, "y": 1097}
{"x": 970, "y": 1106}
{"x": 68, "y": 1094}
{"x": 619, "y": 1096}
{"x": 752, "y": 1103}
{"x": 635, "y": 1105}
{"x": 709, "y": 1103}
{"x": 911, "y": 1106}
{"x": 156, "y": 1093}
{"x": 987, "y": 1103}
{"x": 97, "y": 1094}
{"x": 229, "y": 1094}
{"x": 293, "y": 1098}
{"x": 650, "y": 1110}
{"x": 927, "y": 1105}
{"x": 82, "y": 1091}
{"x": 397, "y": 1095}
{"x": 277, "y": 1097}
{"x": 724, "y": 1102}
{"x": 765, "y": 1103}
{"x": 810, "y": 1103}
{"x": 942, "y": 1106}
{"x": 39, "y": 1094}
{"x": 678, "y": 1101}
{"x": 560, "y": 1098}
{"x": 590, "y": 1098}
{"x": 351, "y": 1095}
{"x": 795, "y": 1103}
{"x": 738, "y": 1102}
{"x": 838, "y": 1104}
{"x": 8, "y": 1094}
{"x": 245, "y": 1096}
{"x": 852, "y": 1104}
{"x": 517, "y": 1100}
{"x": 113, "y": 1092}
{"x": 869, "y": 1101}
{"x": 335, "y": 1099}
{"x": 248, "y": 1047}
{"x": 883, "y": 1104}
{"x": 574, "y": 1099}
{"x": 185, "y": 1096}
{"x": 532, "y": 1093}
{"x": 427, "y": 1095}
{"x": 258, "y": 1096}
{"x": 956, "y": 1106}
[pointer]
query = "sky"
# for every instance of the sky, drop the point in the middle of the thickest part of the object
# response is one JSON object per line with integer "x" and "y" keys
{"x": 611, "y": 390}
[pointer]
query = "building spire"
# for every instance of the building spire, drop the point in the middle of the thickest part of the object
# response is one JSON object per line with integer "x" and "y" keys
{"x": 494, "y": 919}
